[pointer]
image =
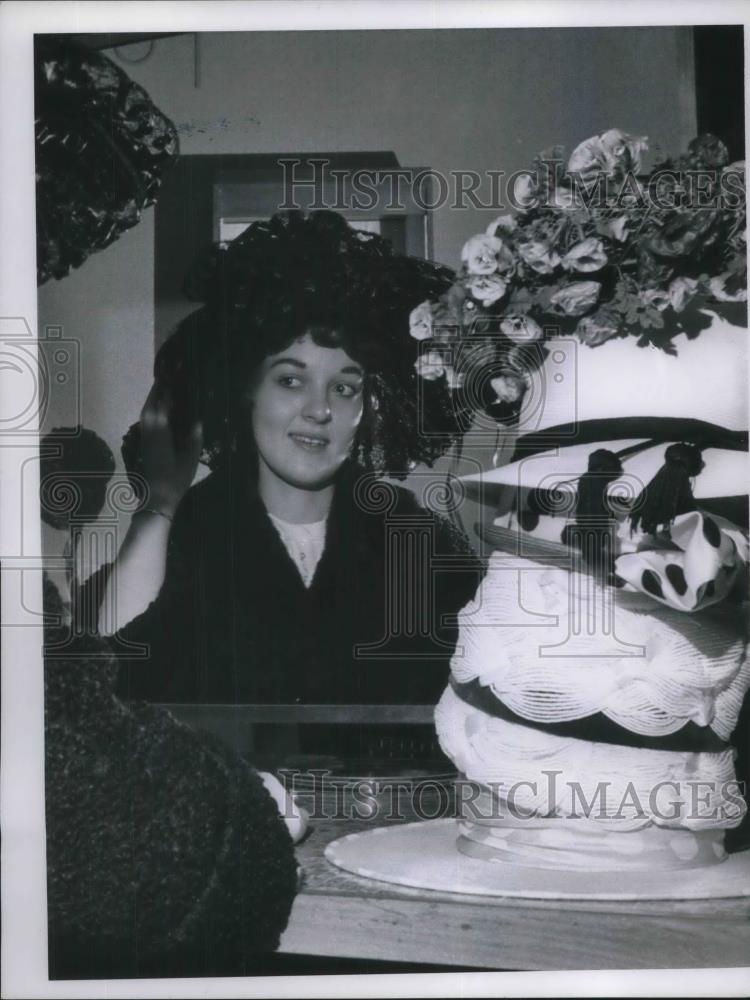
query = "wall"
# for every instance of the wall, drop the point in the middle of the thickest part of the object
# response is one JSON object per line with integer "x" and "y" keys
{"x": 473, "y": 99}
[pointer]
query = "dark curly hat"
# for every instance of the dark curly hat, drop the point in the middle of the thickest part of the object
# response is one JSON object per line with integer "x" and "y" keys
{"x": 101, "y": 150}
{"x": 298, "y": 273}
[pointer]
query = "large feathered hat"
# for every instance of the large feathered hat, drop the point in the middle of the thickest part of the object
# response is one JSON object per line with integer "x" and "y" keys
{"x": 287, "y": 275}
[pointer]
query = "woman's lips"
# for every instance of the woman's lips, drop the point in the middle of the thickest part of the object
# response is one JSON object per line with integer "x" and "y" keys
{"x": 310, "y": 442}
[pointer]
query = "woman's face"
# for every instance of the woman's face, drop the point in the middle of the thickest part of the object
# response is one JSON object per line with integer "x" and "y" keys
{"x": 306, "y": 405}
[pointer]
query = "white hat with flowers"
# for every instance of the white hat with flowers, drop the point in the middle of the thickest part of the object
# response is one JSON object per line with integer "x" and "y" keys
{"x": 604, "y": 321}
{"x": 596, "y": 322}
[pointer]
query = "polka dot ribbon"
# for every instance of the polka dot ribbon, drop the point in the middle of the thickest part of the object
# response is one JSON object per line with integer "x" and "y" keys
{"x": 710, "y": 555}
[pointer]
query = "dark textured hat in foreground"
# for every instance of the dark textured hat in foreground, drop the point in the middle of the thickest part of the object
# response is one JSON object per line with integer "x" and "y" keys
{"x": 101, "y": 149}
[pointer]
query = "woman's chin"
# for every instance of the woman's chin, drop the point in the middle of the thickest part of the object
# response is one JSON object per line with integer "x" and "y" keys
{"x": 301, "y": 469}
{"x": 311, "y": 475}
{"x": 314, "y": 483}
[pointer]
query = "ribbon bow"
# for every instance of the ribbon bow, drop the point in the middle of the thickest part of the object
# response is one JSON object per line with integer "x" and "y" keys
{"x": 699, "y": 568}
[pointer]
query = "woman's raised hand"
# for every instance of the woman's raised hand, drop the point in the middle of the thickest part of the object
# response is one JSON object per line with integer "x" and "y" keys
{"x": 169, "y": 462}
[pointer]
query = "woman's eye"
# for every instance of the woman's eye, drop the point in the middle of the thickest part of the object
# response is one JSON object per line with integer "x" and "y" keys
{"x": 346, "y": 390}
{"x": 289, "y": 381}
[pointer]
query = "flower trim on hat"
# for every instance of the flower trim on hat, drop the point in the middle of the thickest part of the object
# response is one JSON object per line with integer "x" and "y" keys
{"x": 595, "y": 249}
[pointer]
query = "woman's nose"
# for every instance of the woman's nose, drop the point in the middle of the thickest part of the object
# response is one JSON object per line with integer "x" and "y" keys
{"x": 317, "y": 408}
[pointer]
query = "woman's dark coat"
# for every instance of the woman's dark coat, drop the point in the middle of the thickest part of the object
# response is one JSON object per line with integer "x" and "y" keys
{"x": 234, "y": 622}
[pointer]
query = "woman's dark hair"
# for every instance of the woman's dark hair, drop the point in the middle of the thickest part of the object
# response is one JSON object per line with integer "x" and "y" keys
{"x": 298, "y": 274}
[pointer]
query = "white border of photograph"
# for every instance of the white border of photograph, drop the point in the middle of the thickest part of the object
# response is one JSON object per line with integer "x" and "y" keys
{"x": 24, "y": 917}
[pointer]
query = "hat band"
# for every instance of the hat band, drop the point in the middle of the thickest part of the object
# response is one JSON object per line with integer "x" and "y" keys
{"x": 657, "y": 430}
{"x": 597, "y": 728}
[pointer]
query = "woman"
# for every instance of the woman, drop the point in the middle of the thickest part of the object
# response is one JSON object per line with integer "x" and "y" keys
{"x": 288, "y": 575}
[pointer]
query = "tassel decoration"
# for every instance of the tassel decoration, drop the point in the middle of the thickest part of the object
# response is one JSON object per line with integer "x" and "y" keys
{"x": 593, "y": 531}
{"x": 670, "y": 492}
{"x": 591, "y": 501}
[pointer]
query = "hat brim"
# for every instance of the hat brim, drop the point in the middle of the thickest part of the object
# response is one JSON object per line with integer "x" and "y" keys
{"x": 423, "y": 855}
{"x": 725, "y": 472}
